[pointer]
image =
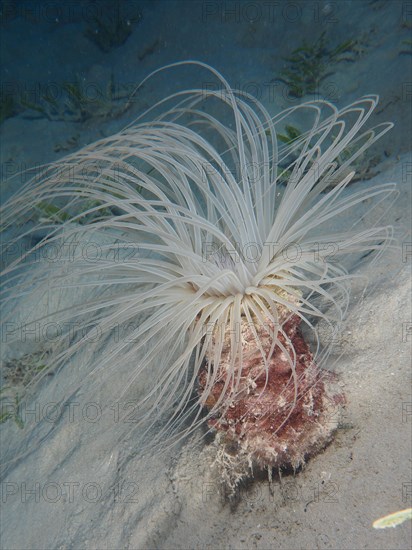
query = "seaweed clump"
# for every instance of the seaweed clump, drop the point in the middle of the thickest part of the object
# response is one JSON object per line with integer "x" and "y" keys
{"x": 8, "y": 106}
{"x": 81, "y": 101}
{"x": 111, "y": 29}
{"x": 364, "y": 164}
{"x": 310, "y": 64}
{"x": 15, "y": 376}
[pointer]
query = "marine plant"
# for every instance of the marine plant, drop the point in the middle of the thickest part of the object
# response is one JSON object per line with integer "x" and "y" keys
{"x": 406, "y": 47}
{"x": 15, "y": 376}
{"x": 111, "y": 28}
{"x": 363, "y": 166}
{"x": 9, "y": 406}
{"x": 8, "y": 106}
{"x": 212, "y": 277}
{"x": 310, "y": 64}
{"x": 81, "y": 101}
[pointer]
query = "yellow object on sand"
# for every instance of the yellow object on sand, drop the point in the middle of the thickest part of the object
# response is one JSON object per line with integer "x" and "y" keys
{"x": 392, "y": 520}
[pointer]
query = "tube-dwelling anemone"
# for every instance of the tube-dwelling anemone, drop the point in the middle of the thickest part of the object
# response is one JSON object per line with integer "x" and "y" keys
{"x": 211, "y": 236}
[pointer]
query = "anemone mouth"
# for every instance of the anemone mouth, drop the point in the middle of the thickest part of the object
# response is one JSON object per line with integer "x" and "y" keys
{"x": 199, "y": 167}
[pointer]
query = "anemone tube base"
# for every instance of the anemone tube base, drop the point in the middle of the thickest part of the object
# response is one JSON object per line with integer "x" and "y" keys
{"x": 281, "y": 413}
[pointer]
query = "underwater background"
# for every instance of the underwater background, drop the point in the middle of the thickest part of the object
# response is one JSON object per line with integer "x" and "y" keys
{"x": 76, "y": 63}
{"x": 69, "y": 75}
